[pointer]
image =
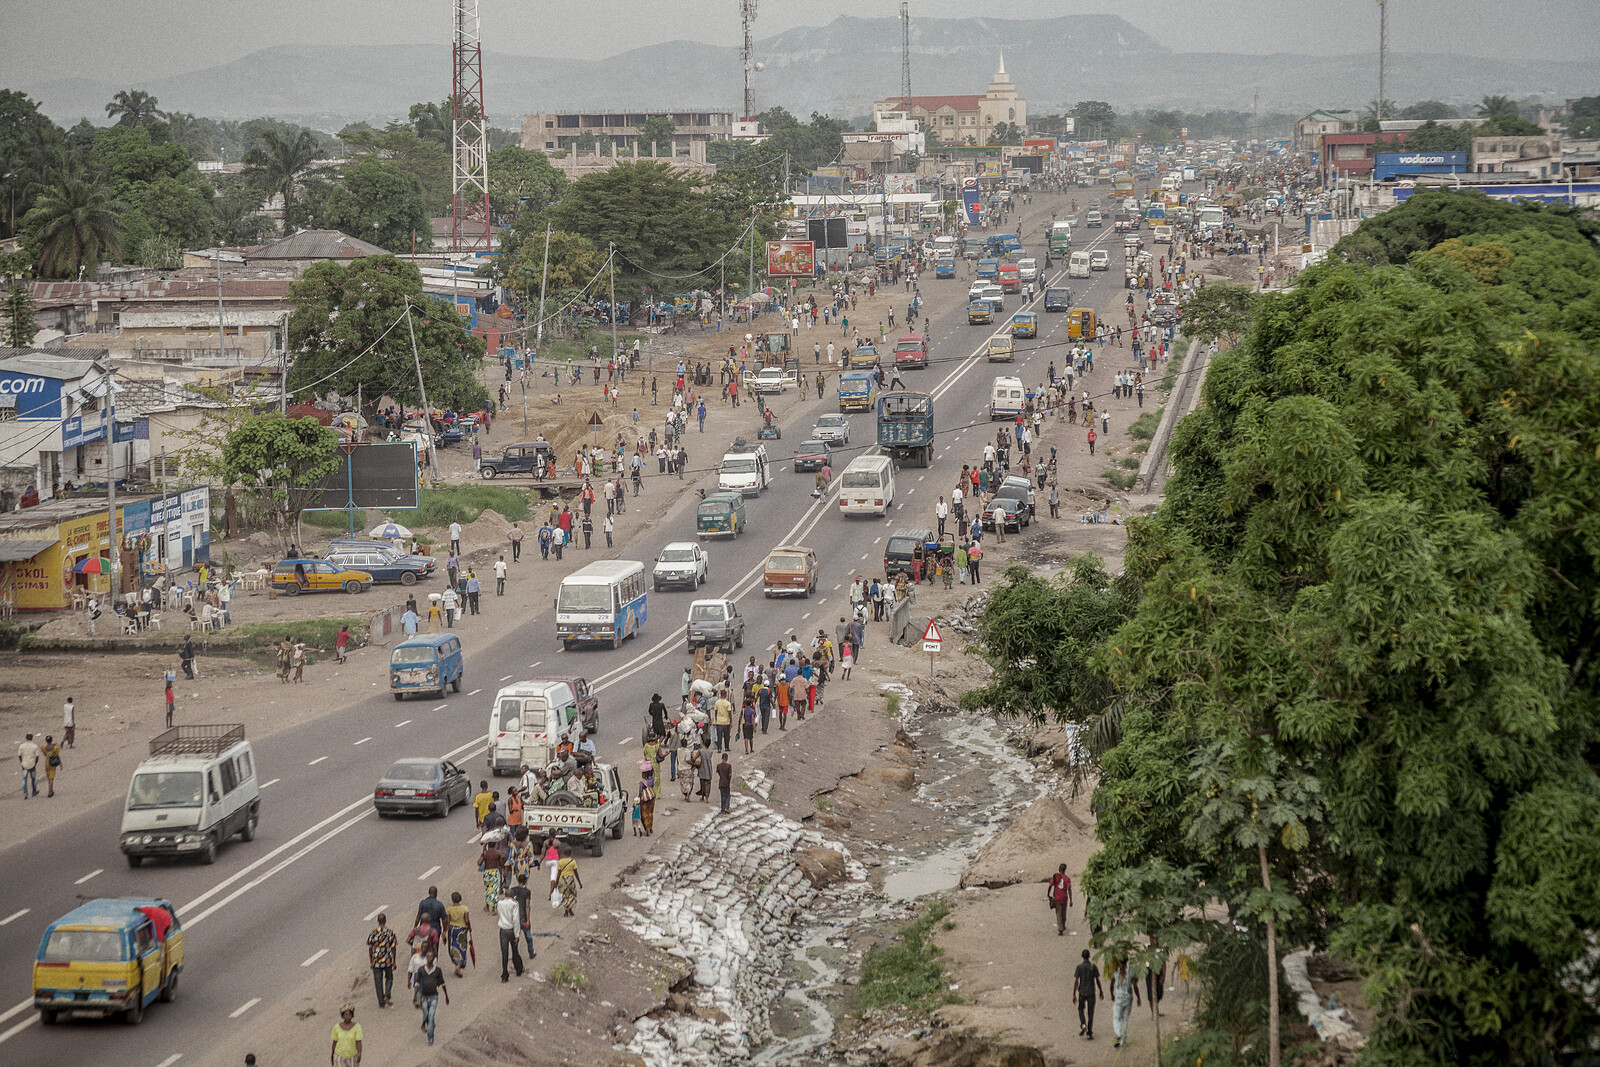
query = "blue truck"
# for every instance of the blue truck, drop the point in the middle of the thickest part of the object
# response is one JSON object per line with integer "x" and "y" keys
{"x": 905, "y": 427}
{"x": 988, "y": 268}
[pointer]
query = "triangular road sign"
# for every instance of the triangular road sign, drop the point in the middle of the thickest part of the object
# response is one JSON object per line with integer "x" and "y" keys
{"x": 932, "y": 632}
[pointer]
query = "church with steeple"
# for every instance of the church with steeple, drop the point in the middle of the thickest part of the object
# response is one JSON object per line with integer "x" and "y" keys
{"x": 964, "y": 119}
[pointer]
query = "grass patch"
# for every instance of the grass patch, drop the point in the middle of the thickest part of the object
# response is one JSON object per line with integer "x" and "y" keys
{"x": 463, "y": 504}
{"x": 1144, "y": 427}
{"x": 907, "y": 974}
{"x": 1180, "y": 345}
{"x": 1130, "y": 463}
{"x": 824, "y": 803}
{"x": 576, "y": 349}
{"x": 893, "y": 701}
{"x": 567, "y": 976}
{"x": 334, "y": 520}
{"x": 1120, "y": 479}
{"x": 257, "y": 638}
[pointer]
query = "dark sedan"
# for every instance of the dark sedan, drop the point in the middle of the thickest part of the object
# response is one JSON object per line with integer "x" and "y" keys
{"x": 384, "y": 566}
{"x": 811, "y": 455}
{"x": 1009, "y": 513}
{"x": 421, "y": 786}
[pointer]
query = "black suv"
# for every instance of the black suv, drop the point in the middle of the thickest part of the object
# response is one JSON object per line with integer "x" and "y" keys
{"x": 529, "y": 457}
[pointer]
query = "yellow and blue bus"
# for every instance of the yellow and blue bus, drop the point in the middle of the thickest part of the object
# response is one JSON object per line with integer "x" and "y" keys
{"x": 604, "y": 601}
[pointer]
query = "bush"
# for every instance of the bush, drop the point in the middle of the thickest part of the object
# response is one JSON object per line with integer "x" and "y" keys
{"x": 1144, "y": 427}
{"x": 463, "y": 504}
{"x": 257, "y": 638}
{"x": 907, "y": 974}
{"x": 1120, "y": 479}
{"x": 1129, "y": 463}
{"x": 334, "y": 520}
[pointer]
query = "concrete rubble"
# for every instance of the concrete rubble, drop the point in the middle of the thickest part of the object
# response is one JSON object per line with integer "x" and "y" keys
{"x": 731, "y": 899}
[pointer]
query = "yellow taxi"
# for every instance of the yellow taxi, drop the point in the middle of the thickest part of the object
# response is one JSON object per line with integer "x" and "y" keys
{"x": 291, "y": 577}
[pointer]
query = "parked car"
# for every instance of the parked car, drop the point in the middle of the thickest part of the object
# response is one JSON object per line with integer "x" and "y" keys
{"x": 421, "y": 786}
{"x": 715, "y": 623}
{"x": 832, "y": 428}
{"x": 1004, "y": 512}
{"x": 682, "y": 563}
{"x": 384, "y": 566}
{"x": 529, "y": 457}
{"x": 1022, "y": 496}
{"x": 811, "y": 455}
{"x": 293, "y": 576}
{"x": 1018, "y": 481}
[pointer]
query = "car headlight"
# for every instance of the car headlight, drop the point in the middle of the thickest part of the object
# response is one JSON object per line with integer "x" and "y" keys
{"x": 147, "y": 839}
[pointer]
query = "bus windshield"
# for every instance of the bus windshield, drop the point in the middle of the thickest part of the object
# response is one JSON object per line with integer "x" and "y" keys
{"x": 589, "y": 598}
{"x": 165, "y": 789}
{"x": 414, "y": 654}
{"x": 862, "y": 480}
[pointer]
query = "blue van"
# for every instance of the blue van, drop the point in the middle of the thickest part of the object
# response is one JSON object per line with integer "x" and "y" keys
{"x": 426, "y": 663}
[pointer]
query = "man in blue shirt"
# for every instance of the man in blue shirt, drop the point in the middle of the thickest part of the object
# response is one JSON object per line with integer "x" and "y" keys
{"x": 409, "y": 622}
{"x": 473, "y": 589}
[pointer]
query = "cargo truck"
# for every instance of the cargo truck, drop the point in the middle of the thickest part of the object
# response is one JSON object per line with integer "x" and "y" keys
{"x": 905, "y": 427}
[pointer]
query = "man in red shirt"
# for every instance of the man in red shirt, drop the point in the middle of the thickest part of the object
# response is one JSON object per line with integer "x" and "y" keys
{"x": 1059, "y": 896}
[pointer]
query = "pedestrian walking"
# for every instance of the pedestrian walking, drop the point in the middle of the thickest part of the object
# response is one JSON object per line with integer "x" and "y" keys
{"x": 455, "y": 541}
{"x": 508, "y": 918}
{"x": 172, "y": 701}
{"x": 346, "y": 1050}
{"x": 28, "y": 755}
{"x": 567, "y": 880}
{"x": 52, "y": 763}
{"x": 474, "y": 587}
{"x": 500, "y": 576}
{"x": 382, "y": 946}
{"x": 609, "y": 527}
{"x": 1124, "y": 995}
{"x": 974, "y": 557}
{"x": 457, "y": 932}
{"x": 725, "y": 781}
{"x": 704, "y": 765}
{"x": 1086, "y": 989}
{"x": 747, "y": 724}
{"x": 186, "y": 656}
{"x": 430, "y": 985}
{"x": 1091, "y": 439}
{"x": 722, "y": 719}
{"x": 516, "y": 536}
{"x": 588, "y": 532}
{"x": 1058, "y": 894}
{"x": 491, "y": 862}
{"x": 647, "y": 797}
{"x": 69, "y": 722}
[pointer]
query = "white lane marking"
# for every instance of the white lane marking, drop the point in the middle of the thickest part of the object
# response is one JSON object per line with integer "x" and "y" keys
{"x": 625, "y": 743}
{"x": 170, "y": 1060}
{"x": 441, "y": 707}
{"x": 274, "y": 781}
{"x": 807, "y": 615}
{"x": 507, "y": 678}
{"x": 877, "y": 540}
{"x": 838, "y": 587}
{"x": 423, "y": 877}
{"x": 534, "y": 664}
{"x": 246, "y": 1006}
{"x": 863, "y": 557}
{"x": 363, "y": 741}
{"x": 379, "y": 910}
{"x": 921, "y": 477}
{"x": 402, "y": 722}
{"x": 913, "y": 489}
{"x": 14, "y": 916}
{"x": 316, "y": 761}
{"x": 321, "y": 952}
{"x": 91, "y": 874}
{"x": 475, "y": 692}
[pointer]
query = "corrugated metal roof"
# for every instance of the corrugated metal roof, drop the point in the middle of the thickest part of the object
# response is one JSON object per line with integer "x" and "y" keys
{"x": 17, "y": 551}
{"x": 49, "y": 364}
{"x": 154, "y": 320}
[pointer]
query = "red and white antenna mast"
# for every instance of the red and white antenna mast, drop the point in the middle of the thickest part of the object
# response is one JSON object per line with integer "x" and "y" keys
{"x": 469, "y": 136}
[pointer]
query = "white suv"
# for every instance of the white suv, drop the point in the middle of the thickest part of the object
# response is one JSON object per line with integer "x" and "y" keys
{"x": 682, "y": 563}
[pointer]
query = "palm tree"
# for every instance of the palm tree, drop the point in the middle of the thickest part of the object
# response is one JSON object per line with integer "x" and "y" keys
{"x": 76, "y": 224}
{"x": 133, "y": 107}
{"x": 1495, "y": 106}
{"x": 236, "y": 220}
{"x": 184, "y": 129}
{"x": 276, "y": 161}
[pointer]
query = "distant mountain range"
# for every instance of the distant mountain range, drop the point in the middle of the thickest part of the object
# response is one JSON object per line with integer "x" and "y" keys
{"x": 840, "y": 69}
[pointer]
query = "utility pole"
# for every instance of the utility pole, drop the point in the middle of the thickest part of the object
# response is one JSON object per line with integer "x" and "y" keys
{"x": 1383, "y": 46}
{"x": 283, "y": 370}
{"x": 538, "y": 328}
{"x": 747, "y": 14}
{"x": 110, "y": 413}
{"x": 751, "y": 291}
{"x": 905, "y": 55}
{"x": 611, "y": 265}
{"x": 222, "y": 324}
{"x": 469, "y": 141}
{"x": 422, "y": 391}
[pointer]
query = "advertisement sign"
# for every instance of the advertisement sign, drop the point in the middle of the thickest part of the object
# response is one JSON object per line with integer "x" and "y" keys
{"x": 899, "y": 183}
{"x": 1043, "y": 144}
{"x": 787, "y": 259}
{"x": 76, "y": 431}
{"x": 969, "y": 200}
{"x": 993, "y": 168}
{"x": 33, "y": 396}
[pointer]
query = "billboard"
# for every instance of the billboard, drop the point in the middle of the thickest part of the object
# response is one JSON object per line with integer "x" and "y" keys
{"x": 899, "y": 183}
{"x": 827, "y": 233}
{"x": 1035, "y": 164}
{"x": 1395, "y": 164}
{"x": 993, "y": 168}
{"x": 373, "y": 475}
{"x": 791, "y": 259}
{"x": 969, "y": 200}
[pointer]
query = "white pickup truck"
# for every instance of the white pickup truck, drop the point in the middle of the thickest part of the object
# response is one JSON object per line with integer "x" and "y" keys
{"x": 581, "y": 820}
{"x": 770, "y": 380}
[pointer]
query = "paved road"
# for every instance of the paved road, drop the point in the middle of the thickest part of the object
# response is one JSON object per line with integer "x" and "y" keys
{"x": 269, "y": 913}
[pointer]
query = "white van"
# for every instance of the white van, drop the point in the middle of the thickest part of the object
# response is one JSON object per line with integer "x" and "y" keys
{"x": 1092, "y": 218}
{"x": 526, "y": 722}
{"x": 1078, "y": 266}
{"x": 197, "y": 789}
{"x": 944, "y": 246}
{"x": 1099, "y": 259}
{"x": 745, "y": 470}
{"x": 867, "y": 486}
{"x": 1007, "y": 399}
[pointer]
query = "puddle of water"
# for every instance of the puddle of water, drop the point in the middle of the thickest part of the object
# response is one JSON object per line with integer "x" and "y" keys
{"x": 931, "y": 874}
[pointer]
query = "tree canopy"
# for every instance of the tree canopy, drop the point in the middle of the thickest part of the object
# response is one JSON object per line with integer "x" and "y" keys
{"x": 1360, "y": 707}
{"x": 280, "y": 459}
{"x": 348, "y": 333}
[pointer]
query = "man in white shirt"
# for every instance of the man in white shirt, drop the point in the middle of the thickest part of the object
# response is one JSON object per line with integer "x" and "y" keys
{"x": 508, "y": 917}
{"x": 225, "y": 599}
{"x": 455, "y": 538}
{"x": 941, "y": 511}
{"x": 500, "y": 576}
{"x": 450, "y": 603}
{"x": 28, "y": 755}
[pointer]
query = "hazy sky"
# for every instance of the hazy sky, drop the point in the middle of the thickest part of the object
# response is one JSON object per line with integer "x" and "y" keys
{"x": 130, "y": 39}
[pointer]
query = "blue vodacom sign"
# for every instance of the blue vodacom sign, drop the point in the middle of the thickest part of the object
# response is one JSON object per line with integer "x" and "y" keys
{"x": 34, "y": 397}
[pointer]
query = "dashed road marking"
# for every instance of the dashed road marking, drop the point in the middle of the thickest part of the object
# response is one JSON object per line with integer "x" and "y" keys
{"x": 246, "y": 1006}
{"x": 91, "y": 874}
{"x": 363, "y": 741}
{"x": 475, "y": 692}
{"x": 807, "y": 615}
{"x": 14, "y": 916}
{"x": 379, "y": 910}
{"x": 423, "y": 877}
{"x": 441, "y": 707}
{"x": 321, "y": 952}
{"x": 316, "y": 761}
{"x": 274, "y": 781}
{"x": 402, "y": 722}
{"x": 507, "y": 678}
{"x": 170, "y": 1060}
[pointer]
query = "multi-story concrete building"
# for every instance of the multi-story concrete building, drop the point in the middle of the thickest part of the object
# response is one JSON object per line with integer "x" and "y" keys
{"x": 957, "y": 120}
{"x": 555, "y": 131}
{"x": 1532, "y": 157}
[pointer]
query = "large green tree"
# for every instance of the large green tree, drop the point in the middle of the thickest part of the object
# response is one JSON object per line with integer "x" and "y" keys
{"x": 1095, "y": 118}
{"x": 378, "y": 201}
{"x": 133, "y": 107}
{"x": 348, "y": 333}
{"x": 276, "y": 163}
{"x": 279, "y": 460}
{"x": 29, "y": 143}
{"x": 662, "y": 222}
{"x": 75, "y": 224}
{"x": 520, "y": 180}
{"x": 1585, "y": 116}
